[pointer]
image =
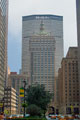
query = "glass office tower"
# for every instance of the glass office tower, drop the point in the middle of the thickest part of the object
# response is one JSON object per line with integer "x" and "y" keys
{"x": 31, "y": 27}
{"x": 3, "y": 44}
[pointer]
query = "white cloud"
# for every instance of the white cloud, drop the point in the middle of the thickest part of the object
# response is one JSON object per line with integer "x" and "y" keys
{"x": 19, "y": 8}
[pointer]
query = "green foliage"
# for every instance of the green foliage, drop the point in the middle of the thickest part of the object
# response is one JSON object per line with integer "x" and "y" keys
{"x": 38, "y": 96}
{"x": 33, "y": 110}
{"x": 24, "y": 104}
{"x": 32, "y": 118}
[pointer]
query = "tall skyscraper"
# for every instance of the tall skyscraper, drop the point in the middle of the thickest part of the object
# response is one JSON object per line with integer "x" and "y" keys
{"x": 78, "y": 24}
{"x": 3, "y": 44}
{"x": 53, "y": 25}
{"x": 78, "y": 36}
{"x": 42, "y": 57}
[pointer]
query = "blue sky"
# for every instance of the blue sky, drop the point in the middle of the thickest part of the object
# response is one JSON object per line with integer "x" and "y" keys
{"x": 19, "y": 8}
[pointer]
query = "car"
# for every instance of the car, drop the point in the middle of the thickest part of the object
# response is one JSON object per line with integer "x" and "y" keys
{"x": 49, "y": 115}
{"x": 78, "y": 116}
{"x": 62, "y": 117}
{"x": 27, "y": 115}
{"x": 17, "y": 116}
{"x": 21, "y": 116}
{"x": 59, "y": 116}
{"x": 71, "y": 117}
{"x": 53, "y": 117}
{"x": 12, "y": 116}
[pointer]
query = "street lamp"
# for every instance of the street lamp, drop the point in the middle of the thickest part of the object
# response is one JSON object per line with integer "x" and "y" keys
{"x": 24, "y": 85}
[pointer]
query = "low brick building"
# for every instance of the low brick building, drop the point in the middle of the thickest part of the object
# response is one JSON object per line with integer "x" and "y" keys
{"x": 11, "y": 100}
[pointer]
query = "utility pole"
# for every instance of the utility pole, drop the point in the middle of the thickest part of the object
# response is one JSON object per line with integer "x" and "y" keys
{"x": 24, "y": 82}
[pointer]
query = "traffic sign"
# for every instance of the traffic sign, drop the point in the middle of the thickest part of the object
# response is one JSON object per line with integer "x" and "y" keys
{"x": 21, "y": 92}
{"x": 21, "y": 95}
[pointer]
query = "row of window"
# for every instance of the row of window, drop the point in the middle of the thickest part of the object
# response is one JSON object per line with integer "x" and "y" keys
{"x": 72, "y": 104}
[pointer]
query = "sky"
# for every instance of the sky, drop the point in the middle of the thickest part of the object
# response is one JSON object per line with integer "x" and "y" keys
{"x": 19, "y": 8}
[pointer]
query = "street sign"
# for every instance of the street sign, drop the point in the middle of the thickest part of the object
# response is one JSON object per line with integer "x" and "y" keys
{"x": 21, "y": 95}
{"x": 21, "y": 92}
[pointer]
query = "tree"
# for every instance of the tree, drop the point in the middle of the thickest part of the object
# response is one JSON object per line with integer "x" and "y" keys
{"x": 39, "y": 96}
{"x": 34, "y": 110}
{"x": 24, "y": 104}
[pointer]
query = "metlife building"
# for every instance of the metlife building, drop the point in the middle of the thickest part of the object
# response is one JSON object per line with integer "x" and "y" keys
{"x": 53, "y": 25}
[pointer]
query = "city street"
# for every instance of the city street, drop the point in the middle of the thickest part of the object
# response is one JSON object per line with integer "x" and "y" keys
{"x": 48, "y": 118}
{"x": 40, "y": 59}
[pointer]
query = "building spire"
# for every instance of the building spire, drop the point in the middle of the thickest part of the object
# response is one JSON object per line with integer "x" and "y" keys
{"x": 42, "y": 30}
{"x": 41, "y": 26}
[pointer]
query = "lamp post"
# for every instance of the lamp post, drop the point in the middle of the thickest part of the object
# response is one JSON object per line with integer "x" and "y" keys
{"x": 24, "y": 85}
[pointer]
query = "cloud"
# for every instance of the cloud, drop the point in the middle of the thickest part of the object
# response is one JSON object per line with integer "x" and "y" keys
{"x": 19, "y": 8}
